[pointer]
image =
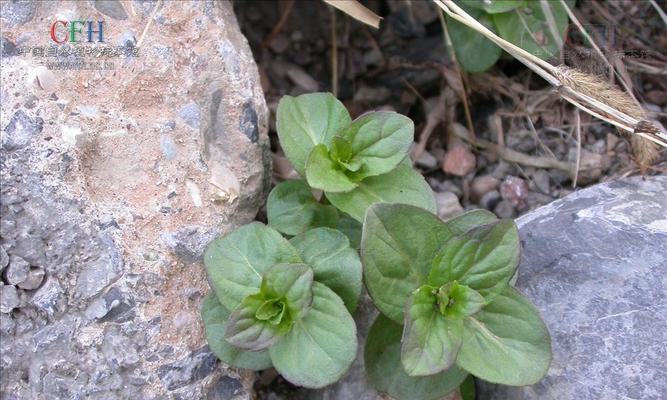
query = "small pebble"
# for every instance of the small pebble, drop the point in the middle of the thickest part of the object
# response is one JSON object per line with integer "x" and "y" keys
{"x": 505, "y": 209}
{"x": 34, "y": 279}
{"x": 490, "y": 200}
{"x": 514, "y": 190}
{"x": 448, "y": 205}
{"x": 459, "y": 161}
{"x": 17, "y": 271}
{"x": 482, "y": 185}
{"x": 9, "y": 298}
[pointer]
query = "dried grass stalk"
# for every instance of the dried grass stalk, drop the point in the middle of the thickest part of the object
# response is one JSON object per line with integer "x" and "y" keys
{"x": 590, "y": 93}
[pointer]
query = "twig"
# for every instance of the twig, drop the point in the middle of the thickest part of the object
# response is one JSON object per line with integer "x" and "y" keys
{"x": 357, "y": 11}
{"x": 577, "y": 121}
{"x": 148, "y": 24}
{"x": 279, "y": 26}
{"x": 659, "y": 10}
{"x": 334, "y": 54}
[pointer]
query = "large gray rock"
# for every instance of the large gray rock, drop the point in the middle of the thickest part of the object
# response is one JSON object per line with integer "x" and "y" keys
{"x": 110, "y": 193}
{"x": 595, "y": 264}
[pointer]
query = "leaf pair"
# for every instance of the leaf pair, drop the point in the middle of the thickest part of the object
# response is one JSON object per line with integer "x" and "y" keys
{"x": 356, "y": 163}
{"x": 270, "y": 296}
{"x": 448, "y": 283}
{"x": 536, "y": 26}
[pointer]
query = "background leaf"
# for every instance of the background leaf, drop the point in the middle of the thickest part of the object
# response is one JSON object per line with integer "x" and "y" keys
{"x": 380, "y": 140}
{"x": 324, "y": 173}
{"x": 483, "y": 258}
{"x": 333, "y": 261}
{"x": 382, "y": 359}
{"x": 294, "y": 283}
{"x": 351, "y": 228}
{"x": 398, "y": 245}
{"x": 247, "y": 332}
{"x": 321, "y": 346}
{"x": 430, "y": 341}
{"x": 235, "y": 262}
{"x": 494, "y": 6}
{"x": 529, "y": 28}
{"x": 215, "y": 320}
{"x": 402, "y": 185}
{"x": 506, "y": 342}
{"x": 473, "y": 51}
{"x": 305, "y": 121}
{"x": 292, "y": 209}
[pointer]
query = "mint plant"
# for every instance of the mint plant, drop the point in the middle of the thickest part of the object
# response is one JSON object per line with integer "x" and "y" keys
{"x": 443, "y": 288}
{"x": 283, "y": 303}
{"x": 448, "y": 285}
{"x": 356, "y": 163}
{"x": 534, "y": 25}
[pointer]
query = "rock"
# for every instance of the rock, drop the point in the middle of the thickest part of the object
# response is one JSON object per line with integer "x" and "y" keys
{"x": 17, "y": 271}
{"x": 189, "y": 113}
{"x": 34, "y": 279}
{"x": 482, "y": 185}
{"x": 490, "y": 200}
{"x": 9, "y": 298}
{"x": 514, "y": 190}
{"x": 459, "y": 161}
{"x": 20, "y": 130}
{"x": 541, "y": 180}
{"x": 426, "y": 160}
{"x": 196, "y": 366}
{"x": 448, "y": 205}
{"x": 125, "y": 155}
{"x": 594, "y": 265}
{"x": 111, "y": 8}
{"x": 18, "y": 12}
{"x": 226, "y": 388}
{"x": 505, "y": 209}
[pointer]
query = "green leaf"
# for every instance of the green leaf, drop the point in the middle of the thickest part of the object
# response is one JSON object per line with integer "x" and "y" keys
{"x": 483, "y": 258}
{"x": 271, "y": 310}
{"x": 291, "y": 209}
{"x": 235, "y": 262}
{"x": 506, "y": 342}
{"x": 398, "y": 245}
{"x": 351, "y": 228}
{"x": 471, "y": 219}
{"x": 402, "y": 185}
{"x": 380, "y": 140}
{"x": 215, "y": 318}
{"x": 333, "y": 261}
{"x": 467, "y": 389}
{"x": 326, "y": 174}
{"x": 382, "y": 359}
{"x": 305, "y": 121}
{"x": 321, "y": 346}
{"x": 494, "y": 6}
{"x": 537, "y": 28}
{"x": 458, "y": 301}
{"x": 341, "y": 152}
{"x": 473, "y": 50}
{"x": 291, "y": 282}
{"x": 247, "y": 332}
{"x": 430, "y": 340}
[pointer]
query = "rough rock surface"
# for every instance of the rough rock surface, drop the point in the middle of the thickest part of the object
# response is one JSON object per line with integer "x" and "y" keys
{"x": 113, "y": 182}
{"x": 595, "y": 264}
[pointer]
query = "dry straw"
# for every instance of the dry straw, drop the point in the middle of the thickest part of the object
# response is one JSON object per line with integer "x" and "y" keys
{"x": 588, "y": 92}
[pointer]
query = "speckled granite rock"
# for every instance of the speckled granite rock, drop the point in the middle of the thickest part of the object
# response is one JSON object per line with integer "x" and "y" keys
{"x": 595, "y": 264}
{"x": 110, "y": 193}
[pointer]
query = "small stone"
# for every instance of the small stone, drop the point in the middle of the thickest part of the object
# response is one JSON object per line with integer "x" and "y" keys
{"x": 302, "y": 79}
{"x": 459, "y": 161}
{"x": 46, "y": 297}
{"x": 45, "y": 79}
{"x": 34, "y": 279}
{"x": 4, "y": 259}
{"x": 111, "y": 8}
{"x": 168, "y": 147}
{"x": 515, "y": 190}
{"x": 541, "y": 179}
{"x": 490, "y": 200}
{"x": 505, "y": 209}
{"x": 427, "y": 160}
{"x": 20, "y": 130}
{"x": 482, "y": 185}
{"x": 189, "y": 113}
{"x": 591, "y": 165}
{"x": 9, "y": 298}
{"x": 17, "y": 271}
{"x": 612, "y": 141}
{"x": 279, "y": 44}
{"x": 448, "y": 205}
{"x": 225, "y": 389}
{"x": 372, "y": 95}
